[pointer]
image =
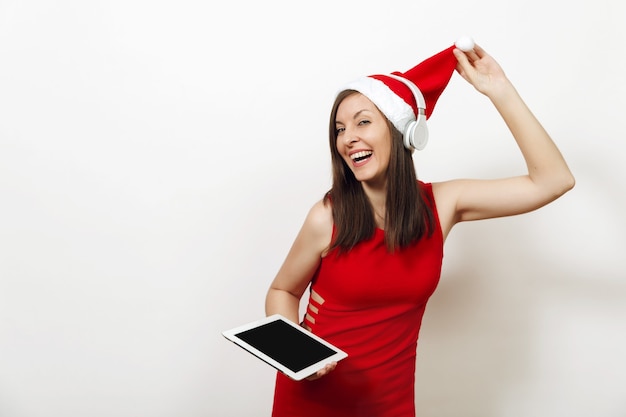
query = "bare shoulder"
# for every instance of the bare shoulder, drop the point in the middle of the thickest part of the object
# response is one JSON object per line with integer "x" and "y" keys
{"x": 318, "y": 225}
{"x": 320, "y": 215}
{"x": 445, "y": 192}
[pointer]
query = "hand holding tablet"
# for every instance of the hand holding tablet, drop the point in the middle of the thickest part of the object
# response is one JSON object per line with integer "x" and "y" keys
{"x": 286, "y": 346}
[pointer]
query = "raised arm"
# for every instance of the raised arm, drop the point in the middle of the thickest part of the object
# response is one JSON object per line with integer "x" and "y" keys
{"x": 295, "y": 274}
{"x": 548, "y": 176}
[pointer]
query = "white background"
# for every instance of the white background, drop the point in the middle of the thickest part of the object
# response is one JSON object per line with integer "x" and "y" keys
{"x": 157, "y": 158}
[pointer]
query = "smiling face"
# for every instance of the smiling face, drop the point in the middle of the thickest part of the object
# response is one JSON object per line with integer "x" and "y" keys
{"x": 363, "y": 139}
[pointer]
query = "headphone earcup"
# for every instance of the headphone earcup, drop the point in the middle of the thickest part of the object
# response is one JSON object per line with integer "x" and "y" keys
{"x": 416, "y": 134}
{"x": 408, "y": 135}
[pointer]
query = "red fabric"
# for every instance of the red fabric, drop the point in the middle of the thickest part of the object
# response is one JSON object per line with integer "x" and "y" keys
{"x": 373, "y": 306}
{"x": 432, "y": 76}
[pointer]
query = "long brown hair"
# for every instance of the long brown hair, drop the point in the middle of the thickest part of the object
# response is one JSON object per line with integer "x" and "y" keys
{"x": 408, "y": 218}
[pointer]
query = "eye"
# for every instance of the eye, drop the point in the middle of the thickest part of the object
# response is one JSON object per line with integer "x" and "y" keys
{"x": 364, "y": 122}
{"x": 339, "y": 130}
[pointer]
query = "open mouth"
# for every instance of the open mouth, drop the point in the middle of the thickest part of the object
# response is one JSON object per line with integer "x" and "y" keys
{"x": 361, "y": 156}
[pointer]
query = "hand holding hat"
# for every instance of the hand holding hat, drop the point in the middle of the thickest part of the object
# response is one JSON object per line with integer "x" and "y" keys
{"x": 480, "y": 69}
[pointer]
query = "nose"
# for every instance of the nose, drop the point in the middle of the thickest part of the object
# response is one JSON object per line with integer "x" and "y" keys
{"x": 350, "y": 137}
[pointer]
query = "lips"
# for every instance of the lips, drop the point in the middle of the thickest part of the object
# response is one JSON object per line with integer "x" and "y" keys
{"x": 360, "y": 157}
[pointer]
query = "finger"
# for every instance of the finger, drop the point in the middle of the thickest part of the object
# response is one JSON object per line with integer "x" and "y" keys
{"x": 325, "y": 370}
{"x": 464, "y": 67}
{"x": 461, "y": 56}
{"x": 466, "y": 57}
{"x": 328, "y": 368}
{"x": 472, "y": 55}
{"x": 475, "y": 53}
{"x": 460, "y": 70}
{"x": 480, "y": 52}
{"x": 315, "y": 376}
{"x": 463, "y": 61}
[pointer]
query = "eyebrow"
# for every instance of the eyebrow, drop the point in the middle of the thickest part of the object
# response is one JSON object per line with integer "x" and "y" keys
{"x": 356, "y": 115}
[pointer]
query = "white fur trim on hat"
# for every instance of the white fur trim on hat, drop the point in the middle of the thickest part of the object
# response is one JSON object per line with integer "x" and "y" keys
{"x": 389, "y": 103}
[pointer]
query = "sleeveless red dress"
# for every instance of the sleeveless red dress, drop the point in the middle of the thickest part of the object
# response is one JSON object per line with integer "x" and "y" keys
{"x": 369, "y": 303}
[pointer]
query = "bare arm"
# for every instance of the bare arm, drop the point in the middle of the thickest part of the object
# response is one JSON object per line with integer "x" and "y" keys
{"x": 295, "y": 274}
{"x": 548, "y": 176}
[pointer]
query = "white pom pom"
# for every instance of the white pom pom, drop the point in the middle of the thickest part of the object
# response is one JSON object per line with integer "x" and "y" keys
{"x": 464, "y": 43}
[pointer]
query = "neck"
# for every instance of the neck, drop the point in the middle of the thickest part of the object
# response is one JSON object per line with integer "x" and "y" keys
{"x": 378, "y": 200}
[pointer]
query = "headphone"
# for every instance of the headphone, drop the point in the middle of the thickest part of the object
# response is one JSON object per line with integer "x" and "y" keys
{"x": 416, "y": 132}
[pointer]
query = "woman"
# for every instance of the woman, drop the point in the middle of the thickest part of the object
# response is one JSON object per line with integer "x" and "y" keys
{"x": 371, "y": 249}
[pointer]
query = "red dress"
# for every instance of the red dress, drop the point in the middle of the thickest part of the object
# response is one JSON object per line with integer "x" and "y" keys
{"x": 369, "y": 303}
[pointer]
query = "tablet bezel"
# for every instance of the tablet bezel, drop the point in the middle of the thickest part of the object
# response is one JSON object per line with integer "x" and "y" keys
{"x": 231, "y": 335}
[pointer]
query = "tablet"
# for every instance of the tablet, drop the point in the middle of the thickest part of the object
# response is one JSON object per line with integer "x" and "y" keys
{"x": 286, "y": 346}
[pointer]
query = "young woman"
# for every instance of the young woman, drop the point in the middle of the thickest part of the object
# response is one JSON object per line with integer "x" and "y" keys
{"x": 371, "y": 249}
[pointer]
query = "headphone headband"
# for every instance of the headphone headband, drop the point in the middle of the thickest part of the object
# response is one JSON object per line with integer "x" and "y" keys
{"x": 419, "y": 98}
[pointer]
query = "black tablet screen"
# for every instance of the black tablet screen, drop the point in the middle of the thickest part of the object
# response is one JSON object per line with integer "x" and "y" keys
{"x": 286, "y": 345}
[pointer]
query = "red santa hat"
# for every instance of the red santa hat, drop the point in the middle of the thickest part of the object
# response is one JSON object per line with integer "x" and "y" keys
{"x": 408, "y": 99}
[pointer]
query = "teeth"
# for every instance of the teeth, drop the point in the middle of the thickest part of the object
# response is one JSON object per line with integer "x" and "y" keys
{"x": 360, "y": 155}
